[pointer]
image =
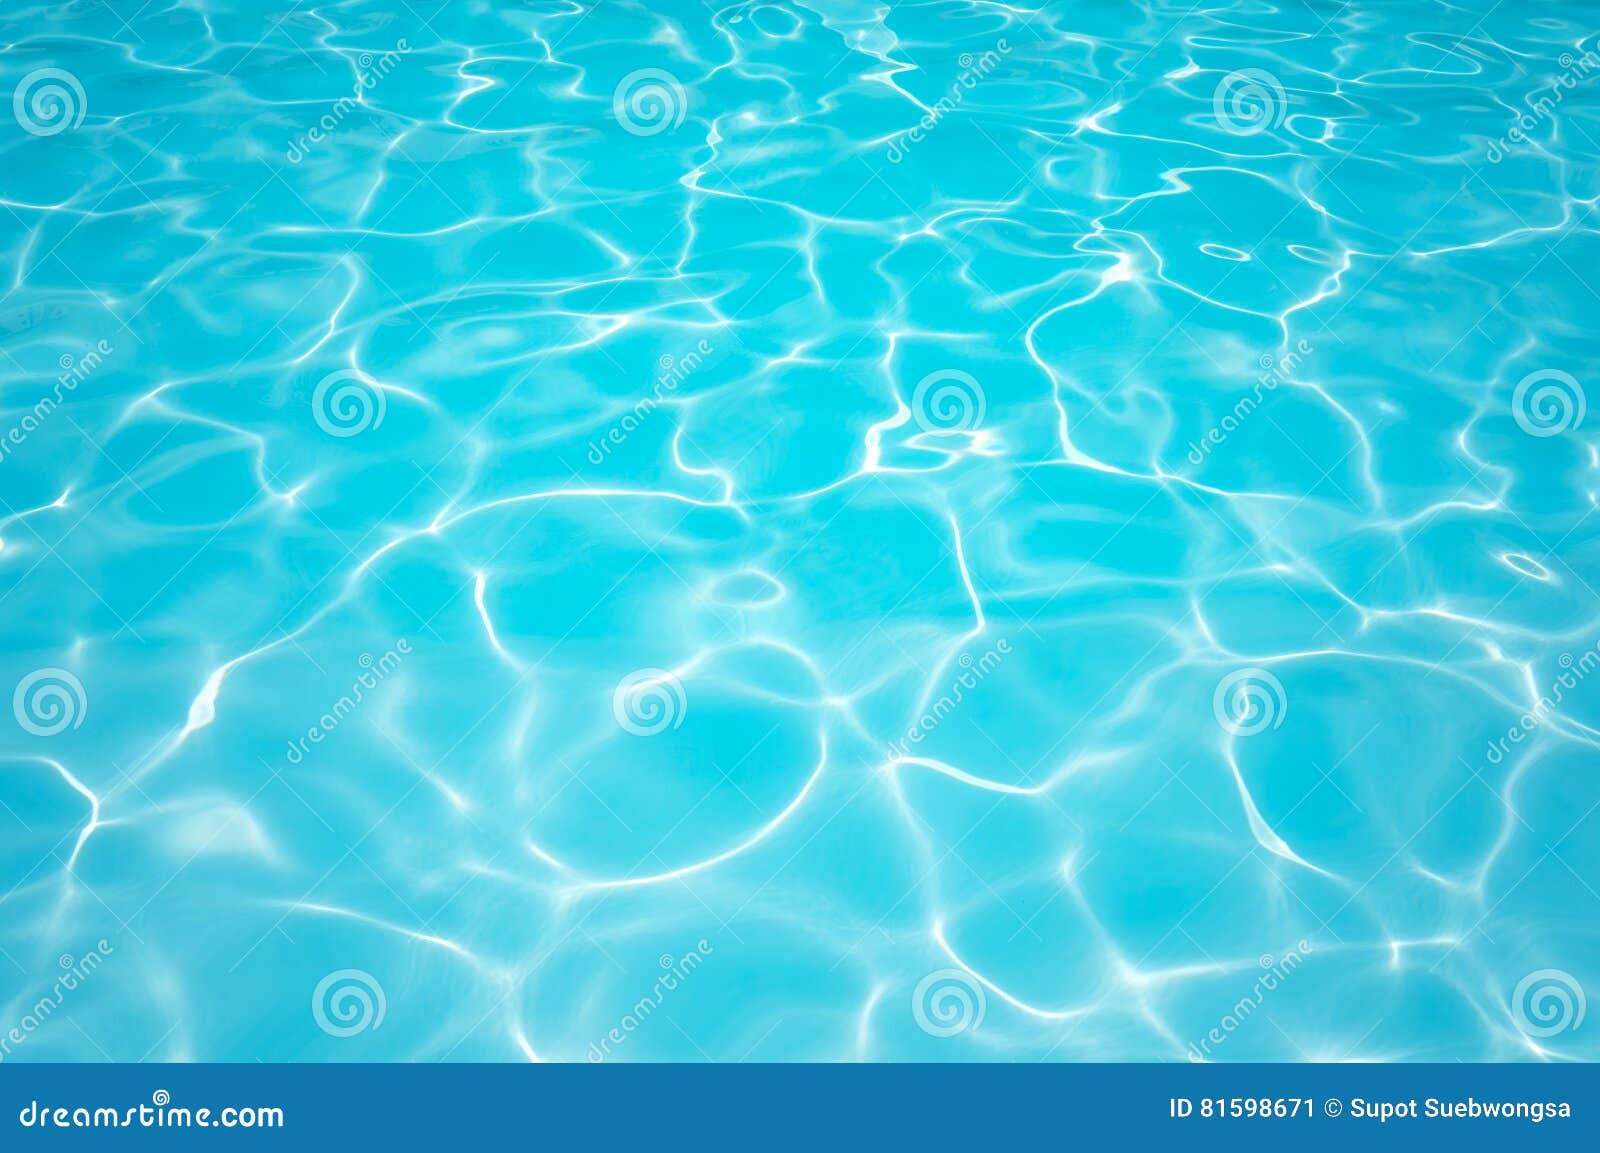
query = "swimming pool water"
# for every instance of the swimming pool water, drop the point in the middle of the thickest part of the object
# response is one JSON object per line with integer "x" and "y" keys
{"x": 825, "y": 531}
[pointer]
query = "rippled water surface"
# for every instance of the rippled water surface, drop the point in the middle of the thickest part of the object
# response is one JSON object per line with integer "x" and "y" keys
{"x": 823, "y": 531}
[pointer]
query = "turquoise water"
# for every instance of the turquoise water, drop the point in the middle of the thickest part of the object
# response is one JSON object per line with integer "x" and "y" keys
{"x": 943, "y": 531}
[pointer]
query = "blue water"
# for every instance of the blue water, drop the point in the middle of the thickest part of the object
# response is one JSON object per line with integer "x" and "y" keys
{"x": 826, "y": 531}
